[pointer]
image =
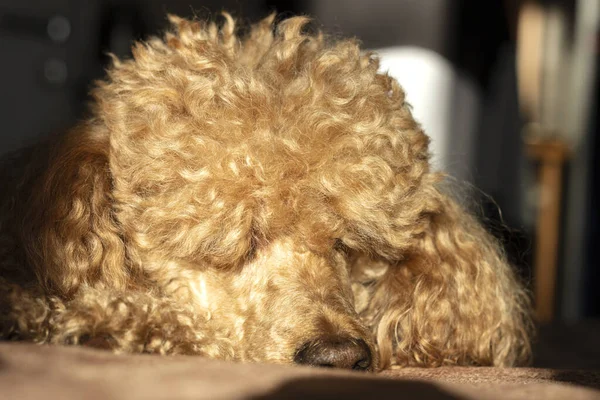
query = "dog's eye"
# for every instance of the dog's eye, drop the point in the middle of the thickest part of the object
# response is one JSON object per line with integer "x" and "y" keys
{"x": 369, "y": 283}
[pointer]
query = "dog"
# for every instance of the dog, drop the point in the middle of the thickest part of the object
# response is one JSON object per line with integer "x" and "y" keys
{"x": 261, "y": 197}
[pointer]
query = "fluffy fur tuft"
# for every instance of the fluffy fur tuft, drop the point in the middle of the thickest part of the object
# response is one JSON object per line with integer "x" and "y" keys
{"x": 236, "y": 197}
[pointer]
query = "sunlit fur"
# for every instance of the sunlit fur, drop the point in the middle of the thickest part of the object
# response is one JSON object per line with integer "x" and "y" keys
{"x": 237, "y": 196}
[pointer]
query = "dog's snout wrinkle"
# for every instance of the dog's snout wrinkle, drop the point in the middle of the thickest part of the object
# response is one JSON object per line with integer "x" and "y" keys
{"x": 335, "y": 352}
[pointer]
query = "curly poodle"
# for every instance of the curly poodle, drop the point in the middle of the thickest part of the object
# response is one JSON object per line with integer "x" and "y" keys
{"x": 256, "y": 197}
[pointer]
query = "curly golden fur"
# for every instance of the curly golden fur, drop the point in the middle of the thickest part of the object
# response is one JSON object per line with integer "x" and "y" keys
{"x": 238, "y": 196}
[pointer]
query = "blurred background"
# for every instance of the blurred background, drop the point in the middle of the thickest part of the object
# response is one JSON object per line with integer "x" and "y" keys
{"x": 507, "y": 89}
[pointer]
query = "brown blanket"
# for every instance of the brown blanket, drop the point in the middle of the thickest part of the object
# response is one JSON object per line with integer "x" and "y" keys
{"x": 36, "y": 372}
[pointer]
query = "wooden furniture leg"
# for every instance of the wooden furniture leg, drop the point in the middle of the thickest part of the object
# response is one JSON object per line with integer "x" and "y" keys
{"x": 551, "y": 155}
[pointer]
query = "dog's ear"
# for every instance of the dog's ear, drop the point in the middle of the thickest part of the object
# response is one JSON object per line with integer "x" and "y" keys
{"x": 68, "y": 229}
{"x": 452, "y": 299}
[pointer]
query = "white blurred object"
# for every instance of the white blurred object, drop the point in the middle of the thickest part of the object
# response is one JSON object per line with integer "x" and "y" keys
{"x": 446, "y": 105}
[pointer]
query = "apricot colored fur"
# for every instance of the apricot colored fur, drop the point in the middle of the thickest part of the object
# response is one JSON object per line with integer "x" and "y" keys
{"x": 235, "y": 197}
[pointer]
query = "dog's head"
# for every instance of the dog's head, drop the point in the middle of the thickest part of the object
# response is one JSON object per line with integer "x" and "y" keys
{"x": 278, "y": 182}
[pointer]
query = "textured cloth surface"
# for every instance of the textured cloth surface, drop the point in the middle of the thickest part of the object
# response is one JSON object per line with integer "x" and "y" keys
{"x": 32, "y": 372}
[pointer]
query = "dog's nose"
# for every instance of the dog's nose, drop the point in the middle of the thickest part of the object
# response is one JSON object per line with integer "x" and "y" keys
{"x": 335, "y": 352}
